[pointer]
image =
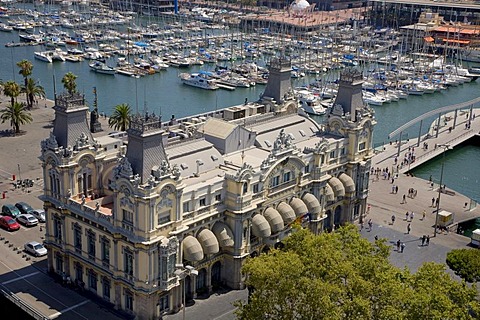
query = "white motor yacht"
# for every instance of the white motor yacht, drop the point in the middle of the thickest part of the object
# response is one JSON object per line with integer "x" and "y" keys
{"x": 199, "y": 80}
{"x": 44, "y": 56}
{"x": 310, "y": 103}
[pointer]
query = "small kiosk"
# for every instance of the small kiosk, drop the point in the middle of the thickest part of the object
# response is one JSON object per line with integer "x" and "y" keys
{"x": 445, "y": 218}
{"x": 475, "y": 238}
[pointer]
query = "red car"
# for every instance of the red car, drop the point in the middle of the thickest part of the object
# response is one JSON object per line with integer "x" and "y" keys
{"x": 9, "y": 223}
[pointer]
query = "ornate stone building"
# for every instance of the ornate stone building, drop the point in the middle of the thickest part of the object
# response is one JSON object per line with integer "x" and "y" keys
{"x": 206, "y": 192}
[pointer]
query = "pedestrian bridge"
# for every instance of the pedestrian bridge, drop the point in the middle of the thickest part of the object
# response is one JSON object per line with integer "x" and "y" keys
{"x": 454, "y": 125}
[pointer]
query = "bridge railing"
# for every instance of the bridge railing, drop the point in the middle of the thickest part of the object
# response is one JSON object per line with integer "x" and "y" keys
{"x": 24, "y": 306}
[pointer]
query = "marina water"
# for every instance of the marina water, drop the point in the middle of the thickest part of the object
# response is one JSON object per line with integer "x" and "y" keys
{"x": 163, "y": 93}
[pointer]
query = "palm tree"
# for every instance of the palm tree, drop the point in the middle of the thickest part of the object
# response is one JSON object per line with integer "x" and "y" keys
{"x": 69, "y": 83}
{"x": 120, "y": 119}
{"x": 33, "y": 90}
{"x": 26, "y": 68}
{"x": 17, "y": 115}
{"x": 11, "y": 89}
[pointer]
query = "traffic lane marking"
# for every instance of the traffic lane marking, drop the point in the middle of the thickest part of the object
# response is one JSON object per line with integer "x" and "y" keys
{"x": 59, "y": 313}
{"x": 20, "y": 278}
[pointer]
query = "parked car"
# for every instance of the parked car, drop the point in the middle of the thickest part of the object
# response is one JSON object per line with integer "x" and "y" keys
{"x": 10, "y": 210}
{"x": 23, "y": 207}
{"x": 27, "y": 220}
{"x": 9, "y": 223}
{"x": 35, "y": 248}
{"x": 39, "y": 214}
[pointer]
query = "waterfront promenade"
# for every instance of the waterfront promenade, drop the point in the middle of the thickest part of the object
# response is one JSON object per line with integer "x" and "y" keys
{"x": 28, "y": 281}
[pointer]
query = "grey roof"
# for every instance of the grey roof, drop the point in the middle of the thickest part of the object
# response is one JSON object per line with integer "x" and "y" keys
{"x": 217, "y": 128}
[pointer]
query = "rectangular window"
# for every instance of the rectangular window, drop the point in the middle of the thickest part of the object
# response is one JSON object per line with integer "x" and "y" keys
{"x": 91, "y": 245}
{"x": 127, "y": 216}
{"x": 307, "y": 169}
{"x": 105, "y": 251}
{"x": 128, "y": 262}
{"x": 186, "y": 206}
{"x": 332, "y": 154}
{"x": 163, "y": 268}
{"x": 275, "y": 181}
{"x": 163, "y": 217}
{"x": 342, "y": 151}
{"x": 255, "y": 188}
{"x": 203, "y": 202}
{"x": 106, "y": 289}
{"x": 286, "y": 177}
{"x": 218, "y": 197}
{"x": 129, "y": 301}
{"x": 361, "y": 146}
{"x": 57, "y": 229}
{"x": 78, "y": 272}
{"x": 164, "y": 303}
{"x": 92, "y": 280}
{"x": 77, "y": 238}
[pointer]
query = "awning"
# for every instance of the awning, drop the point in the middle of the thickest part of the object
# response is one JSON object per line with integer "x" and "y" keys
{"x": 274, "y": 220}
{"x": 312, "y": 203}
{"x": 208, "y": 241}
{"x": 286, "y": 212}
{"x": 456, "y": 41}
{"x": 298, "y": 206}
{"x": 428, "y": 39}
{"x": 337, "y": 187}
{"x": 224, "y": 234}
{"x": 347, "y": 181}
{"x": 329, "y": 195}
{"x": 192, "y": 250}
{"x": 260, "y": 227}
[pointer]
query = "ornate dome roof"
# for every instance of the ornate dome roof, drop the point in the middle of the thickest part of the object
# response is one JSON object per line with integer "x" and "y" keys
{"x": 300, "y": 5}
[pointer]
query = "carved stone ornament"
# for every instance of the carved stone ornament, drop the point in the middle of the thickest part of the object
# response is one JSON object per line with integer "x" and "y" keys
{"x": 245, "y": 170}
{"x": 50, "y": 143}
{"x": 283, "y": 142}
{"x": 337, "y": 109}
{"x": 321, "y": 146}
{"x": 123, "y": 168}
{"x": 268, "y": 162}
{"x": 166, "y": 170}
{"x": 82, "y": 141}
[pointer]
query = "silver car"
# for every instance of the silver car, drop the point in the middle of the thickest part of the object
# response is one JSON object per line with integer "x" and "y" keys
{"x": 39, "y": 214}
{"x": 27, "y": 220}
{"x": 35, "y": 248}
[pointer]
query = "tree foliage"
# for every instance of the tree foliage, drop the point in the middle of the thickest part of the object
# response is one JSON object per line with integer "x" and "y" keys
{"x": 33, "y": 91}
{"x": 69, "y": 82}
{"x": 11, "y": 89}
{"x": 343, "y": 276}
{"x": 465, "y": 263}
{"x": 17, "y": 115}
{"x": 120, "y": 119}
{"x": 26, "y": 68}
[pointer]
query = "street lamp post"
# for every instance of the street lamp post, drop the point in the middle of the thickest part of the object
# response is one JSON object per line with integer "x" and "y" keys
{"x": 182, "y": 272}
{"x": 445, "y": 148}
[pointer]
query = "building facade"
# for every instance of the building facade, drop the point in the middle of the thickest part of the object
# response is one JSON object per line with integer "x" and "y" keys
{"x": 208, "y": 192}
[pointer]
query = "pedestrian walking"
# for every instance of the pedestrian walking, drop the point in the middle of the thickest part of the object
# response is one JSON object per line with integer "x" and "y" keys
{"x": 437, "y": 201}
{"x": 393, "y": 219}
{"x": 428, "y": 240}
{"x": 402, "y": 247}
{"x": 408, "y": 228}
{"x": 361, "y": 226}
{"x": 404, "y": 199}
{"x": 433, "y": 201}
{"x": 412, "y": 214}
{"x": 406, "y": 216}
{"x": 398, "y": 245}
{"x": 423, "y": 214}
{"x": 424, "y": 238}
{"x": 396, "y": 189}
{"x": 370, "y": 224}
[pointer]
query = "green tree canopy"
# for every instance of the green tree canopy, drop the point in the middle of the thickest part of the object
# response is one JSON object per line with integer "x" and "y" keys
{"x": 33, "y": 91}
{"x": 340, "y": 275}
{"x": 11, "y": 89}
{"x": 465, "y": 263}
{"x": 120, "y": 119}
{"x": 26, "y": 68}
{"x": 69, "y": 83}
{"x": 17, "y": 115}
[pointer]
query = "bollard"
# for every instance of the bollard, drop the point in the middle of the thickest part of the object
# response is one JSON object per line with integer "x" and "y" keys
{"x": 13, "y": 177}
{"x": 3, "y": 195}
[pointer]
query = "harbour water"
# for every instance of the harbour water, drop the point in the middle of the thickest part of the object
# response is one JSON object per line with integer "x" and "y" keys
{"x": 163, "y": 93}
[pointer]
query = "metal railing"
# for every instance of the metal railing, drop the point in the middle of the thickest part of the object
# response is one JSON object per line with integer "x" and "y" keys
{"x": 24, "y": 306}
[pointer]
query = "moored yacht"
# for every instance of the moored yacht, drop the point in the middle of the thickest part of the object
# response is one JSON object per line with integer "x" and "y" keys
{"x": 310, "y": 103}
{"x": 101, "y": 67}
{"x": 199, "y": 80}
{"x": 44, "y": 56}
